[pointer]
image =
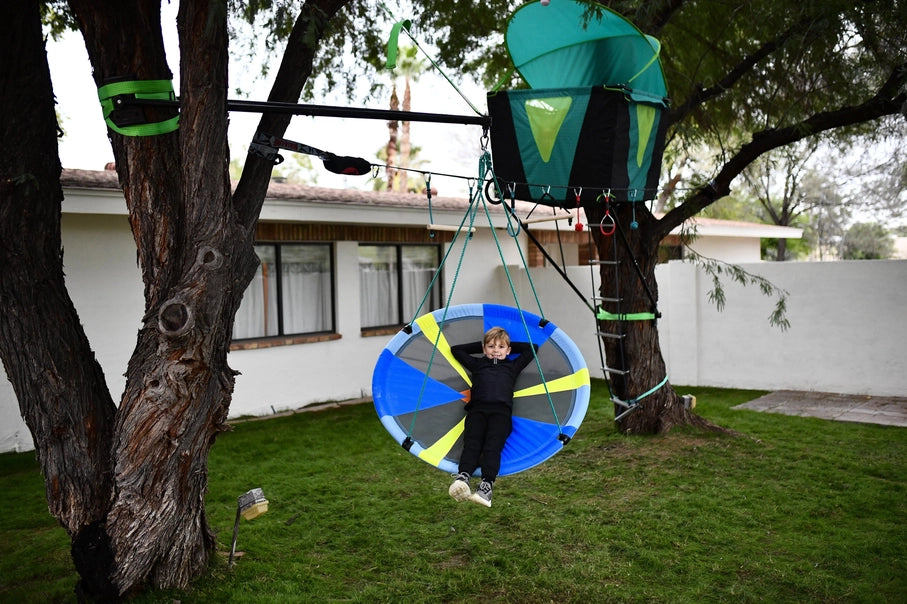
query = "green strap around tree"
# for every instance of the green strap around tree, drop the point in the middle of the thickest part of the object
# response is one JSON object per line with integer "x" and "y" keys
{"x": 604, "y": 315}
{"x": 141, "y": 89}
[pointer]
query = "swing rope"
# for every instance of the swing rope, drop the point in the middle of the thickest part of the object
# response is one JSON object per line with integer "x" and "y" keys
{"x": 485, "y": 168}
{"x": 392, "y": 44}
{"x": 470, "y": 214}
{"x": 475, "y": 193}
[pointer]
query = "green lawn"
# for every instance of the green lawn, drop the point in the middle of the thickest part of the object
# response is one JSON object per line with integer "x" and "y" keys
{"x": 797, "y": 510}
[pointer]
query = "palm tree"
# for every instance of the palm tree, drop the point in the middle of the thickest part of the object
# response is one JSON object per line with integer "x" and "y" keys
{"x": 410, "y": 67}
{"x": 391, "y": 150}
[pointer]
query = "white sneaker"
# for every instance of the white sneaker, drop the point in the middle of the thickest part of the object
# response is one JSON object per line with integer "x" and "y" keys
{"x": 459, "y": 490}
{"x": 483, "y": 494}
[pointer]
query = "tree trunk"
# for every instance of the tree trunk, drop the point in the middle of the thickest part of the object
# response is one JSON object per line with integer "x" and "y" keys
{"x": 178, "y": 385}
{"x": 782, "y": 250}
{"x": 58, "y": 382}
{"x": 195, "y": 245}
{"x": 656, "y": 407}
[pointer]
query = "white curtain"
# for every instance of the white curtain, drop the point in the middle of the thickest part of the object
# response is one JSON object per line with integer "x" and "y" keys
{"x": 415, "y": 284}
{"x": 377, "y": 296}
{"x": 306, "y": 293}
{"x": 306, "y": 300}
{"x": 381, "y": 286}
{"x": 257, "y": 314}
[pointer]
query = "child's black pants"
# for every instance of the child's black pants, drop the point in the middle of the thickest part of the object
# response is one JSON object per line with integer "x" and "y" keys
{"x": 484, "y": 436}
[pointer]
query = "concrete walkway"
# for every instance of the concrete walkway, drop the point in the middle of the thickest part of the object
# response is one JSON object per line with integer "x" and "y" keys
{"x": 884, "y": 410}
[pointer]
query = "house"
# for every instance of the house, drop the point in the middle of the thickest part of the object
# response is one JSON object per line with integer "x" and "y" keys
{"x": 312, "y": 322}
{"x": 731, "y": 241}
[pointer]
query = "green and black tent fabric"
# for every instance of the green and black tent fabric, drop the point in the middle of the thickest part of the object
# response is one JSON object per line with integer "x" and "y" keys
{"x": 591, "y": 121}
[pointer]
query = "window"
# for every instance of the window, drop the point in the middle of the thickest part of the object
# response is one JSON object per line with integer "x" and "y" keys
{"x": 292, "y": 293}
{"x": 393, "y": 280}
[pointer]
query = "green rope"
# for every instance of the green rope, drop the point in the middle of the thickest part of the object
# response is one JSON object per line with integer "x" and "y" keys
{"x": 450, "y": 248}
{"x": 485, "y": 167}
{"x": 395, "y": 32}
{"x": 652, "y": 390}
{"x": 140, "y": 89}
{"x": 470, "y": 214}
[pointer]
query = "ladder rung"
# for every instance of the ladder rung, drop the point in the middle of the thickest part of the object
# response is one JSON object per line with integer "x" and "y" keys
{"x": 615, "y": 371}
{"x": 600, "y": 299}
{"x": 622, "y": 403}
{"x": 613, "y": 336}
{"x": 630, "y": 409}
{"x": 608, "y": 262}
{"x": 449, "y": 227}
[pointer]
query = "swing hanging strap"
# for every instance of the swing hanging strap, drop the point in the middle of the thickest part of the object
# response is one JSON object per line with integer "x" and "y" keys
{"x": 470, "y": 216}
{"x": 486, "y": 171}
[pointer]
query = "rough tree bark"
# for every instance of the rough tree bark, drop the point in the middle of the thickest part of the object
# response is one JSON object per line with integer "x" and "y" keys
{"x": 196, "y": 250}
{"x": 128, "y": 484}
{"x": 178, "y": 384}
{"x": 632, "y": 278}
{"x": 58, "y": 382}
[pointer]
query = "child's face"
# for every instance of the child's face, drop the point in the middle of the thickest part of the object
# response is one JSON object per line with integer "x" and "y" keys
{"x": 496, "y": 349}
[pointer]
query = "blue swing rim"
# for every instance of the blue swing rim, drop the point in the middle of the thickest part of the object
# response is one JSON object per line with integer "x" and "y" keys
{"x": 511, "y": 319}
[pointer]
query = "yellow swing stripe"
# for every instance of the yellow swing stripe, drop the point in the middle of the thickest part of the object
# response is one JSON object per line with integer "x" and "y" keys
{"x": 435, "y": 453}
{"x": 568, "y": 382}
{"x": 430, "y": 329}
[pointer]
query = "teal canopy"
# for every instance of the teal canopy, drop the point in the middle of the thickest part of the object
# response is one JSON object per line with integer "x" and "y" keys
{"x": 569, "y": 44}
{"x": 592, "y": 120}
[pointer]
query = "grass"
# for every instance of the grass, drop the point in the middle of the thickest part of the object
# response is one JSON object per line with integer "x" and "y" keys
{"x": 798, "y": 510}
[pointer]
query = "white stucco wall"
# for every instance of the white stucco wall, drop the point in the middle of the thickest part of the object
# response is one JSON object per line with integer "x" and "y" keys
{"x": 14, "y": 434}
{"x": 105, "y": 284}
{"x": 847, "y": 335}
{"x": 848, "y": 328}
{"x": 729, "y": 249}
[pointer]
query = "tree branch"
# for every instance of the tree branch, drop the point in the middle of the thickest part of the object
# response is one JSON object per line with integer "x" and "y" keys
{"x": 889, "y": 100}
{"x": 295, "y": 69}
{"x": 651, "y": 17}
{"x": 702, "y": 95}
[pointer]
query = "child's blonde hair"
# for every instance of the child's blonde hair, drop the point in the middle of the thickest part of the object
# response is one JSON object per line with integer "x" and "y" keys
{"x": 496, "y": 334}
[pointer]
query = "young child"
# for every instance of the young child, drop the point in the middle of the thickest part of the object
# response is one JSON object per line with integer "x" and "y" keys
{"x": 489, "y": 410}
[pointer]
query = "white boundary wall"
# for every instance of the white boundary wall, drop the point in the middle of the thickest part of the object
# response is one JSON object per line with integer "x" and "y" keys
{"x": 848, "y": 329}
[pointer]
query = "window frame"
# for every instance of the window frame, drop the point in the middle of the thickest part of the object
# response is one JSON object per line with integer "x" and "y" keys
{"x": 439, "y": 284}
{"x": 280, "y": 336}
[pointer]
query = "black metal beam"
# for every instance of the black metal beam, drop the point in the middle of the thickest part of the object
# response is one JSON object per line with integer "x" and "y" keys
{"x": 324, "y": 111}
